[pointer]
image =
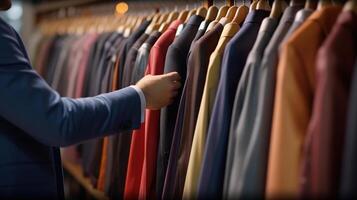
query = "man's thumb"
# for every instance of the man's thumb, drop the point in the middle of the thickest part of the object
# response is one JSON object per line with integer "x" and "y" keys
{"x": 173, "y": 76}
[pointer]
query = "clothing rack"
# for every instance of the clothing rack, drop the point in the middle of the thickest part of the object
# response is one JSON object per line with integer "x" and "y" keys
{"x": 58, "y": 10}
{"x": 228, "y": 134}
{"x": 209, "y": 3}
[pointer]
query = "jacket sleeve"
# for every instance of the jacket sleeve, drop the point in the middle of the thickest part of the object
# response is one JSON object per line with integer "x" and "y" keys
{"x": 27, "y": 102}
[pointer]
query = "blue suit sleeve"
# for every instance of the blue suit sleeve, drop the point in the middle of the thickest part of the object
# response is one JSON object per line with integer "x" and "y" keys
{"x": 27, "y": 102}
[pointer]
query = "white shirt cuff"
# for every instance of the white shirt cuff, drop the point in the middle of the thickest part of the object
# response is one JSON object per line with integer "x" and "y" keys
{"x": 142, "y": 100}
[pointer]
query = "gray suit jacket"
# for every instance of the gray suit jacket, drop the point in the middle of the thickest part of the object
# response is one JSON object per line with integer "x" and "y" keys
{"x": 255, "y": 161}
{"x": 243, "y": 117}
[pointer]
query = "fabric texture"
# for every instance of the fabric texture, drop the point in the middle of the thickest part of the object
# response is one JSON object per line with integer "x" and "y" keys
{"x": 137, "y": 149}
{"x": 327, "y": 128}
{"x": 176, "y": 61}
{"x": 197, "y": 68}
{"x": 243, "y": 117}
{"x": 152, "y": 125}
{"x": 299, "y": 19}
{"x": 201, "y": 31}
{"x": 142, "y": 58}
{"x": 294, "y": 95}
{"x": 127, "y": 46}
{"x": 255, "y": 164}
{"x": 208, "y": 97}
{"x": 235, "y": 55}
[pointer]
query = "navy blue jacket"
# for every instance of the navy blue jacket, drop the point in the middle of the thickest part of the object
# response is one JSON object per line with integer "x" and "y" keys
{"x": 35, "y": 121}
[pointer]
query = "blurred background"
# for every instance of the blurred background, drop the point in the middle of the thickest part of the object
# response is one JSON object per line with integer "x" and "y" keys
{"x": 25, "y": 15}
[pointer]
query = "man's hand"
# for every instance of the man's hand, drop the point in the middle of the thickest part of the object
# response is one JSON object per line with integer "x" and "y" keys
{"x": 160, "y": 90}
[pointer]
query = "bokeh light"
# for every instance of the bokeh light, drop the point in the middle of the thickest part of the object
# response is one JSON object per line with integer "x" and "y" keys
{"x": 121, "y": 8}
{"x": 15, "y": 13}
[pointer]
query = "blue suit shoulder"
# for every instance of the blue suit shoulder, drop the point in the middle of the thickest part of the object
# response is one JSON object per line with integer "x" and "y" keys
{"x": 11, "y": 47}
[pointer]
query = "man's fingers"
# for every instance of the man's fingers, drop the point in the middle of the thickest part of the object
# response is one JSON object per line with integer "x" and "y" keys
{"x": 176, "y": 85}
{"x": 173, "y": 76}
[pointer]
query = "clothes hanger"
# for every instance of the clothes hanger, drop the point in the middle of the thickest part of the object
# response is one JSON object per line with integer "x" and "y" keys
{"x": 231, "y": 28}
{"x": 173, "y": 16}
{"x": 183, "y": 15}
{"x": 135, "y": 20}
{"x": 155, "y": 18}
{"x": 201, "y": 11}
{"x": 350, "y": 6}
{"x": 263, "y": 5}
{"x": 154, "y": 23}
{"x": 155, "y": 27}
{"x": 211, "y": 13}
{"x": 127, "y": 32}
{"x": 163, "y": 18}
{"x": 211, "y": 16}
{"x": 277, "y": 9}
{"x": 231, "y": 13}
{"x": 122, "y": 24}
{"x": 150, "y": 17}
{"x": 190, "y": 14}
{"x": 253, "y": 5}
{"x": 323, "y": 4}
{"x": 229, "y": 16}
{"x": 163, "y": 27}
{"x": 129, "y": 27}
{"x": 140, "y": 21}
{"x": 222, "y": 12}
{"x": 241, "y": 13}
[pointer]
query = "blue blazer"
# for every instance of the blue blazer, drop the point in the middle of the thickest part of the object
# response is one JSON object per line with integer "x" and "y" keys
{"x": 35, "y": 121}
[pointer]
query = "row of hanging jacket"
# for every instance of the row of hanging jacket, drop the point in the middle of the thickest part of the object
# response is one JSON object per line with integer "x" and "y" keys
{"x": 267, "y": 108}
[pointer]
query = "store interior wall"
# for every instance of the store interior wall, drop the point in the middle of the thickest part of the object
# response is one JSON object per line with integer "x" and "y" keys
{"x": 21, "y": 16}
